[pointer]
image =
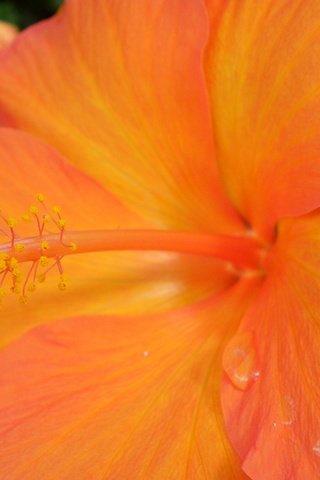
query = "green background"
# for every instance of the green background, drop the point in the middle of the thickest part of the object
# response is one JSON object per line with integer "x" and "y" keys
{"x": 26, "y": 12}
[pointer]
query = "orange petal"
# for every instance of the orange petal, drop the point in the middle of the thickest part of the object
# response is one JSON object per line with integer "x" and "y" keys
{"x": 274, "y": 423}
{"x": 8, "y": 33}
{"x": 119, "y": 398}
{"x": 120, "y": 90}
{"x": 262, "y": 69}
{"x": 29, "y": 166}
{"x": 116, "y": 283}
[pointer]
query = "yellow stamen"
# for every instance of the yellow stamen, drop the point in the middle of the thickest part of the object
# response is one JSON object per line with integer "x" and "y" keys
{"x": 33, "y": 209}
{"x": 19, "y": 247}
{"x": 40, "y": 197}
{"x": 44, "y": 245}
{"x": 73, "y": 246}
{"x": 12, "y": 222}
{"x": 16, "y": 272}
{"x": 26, "y": 217}
{"x": 62, "y": 285}
{"x": 56, "y": 209}
{"x": 44, "y": 261}
{"x": 13, "y": 262}
{"x": 31, "y": 287}
{"x": 61, "y": 223}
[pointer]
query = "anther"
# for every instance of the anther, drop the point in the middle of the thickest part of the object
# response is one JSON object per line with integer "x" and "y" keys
{"x": 19, "y": 247}
{"x": 23, "y": 299}
{"x": 73, "y": 246}
{"x": 26, "y": 217}
{"x": 16, "y": 272}
{"x": 40, "y": 197}
{"x": 12, "y": 222}
{"x": 62, "y": 285}
{"x": 12, "y": 262}
{"x": 44, "y": 245}
{"x": 44, "y": 261}
{"x": 61, "y": 223}
{"x": 46, "y": 218}
{"x": 56, "y": 209}
{"x": 31, "y": 287}
{"x": 33, "y": 209}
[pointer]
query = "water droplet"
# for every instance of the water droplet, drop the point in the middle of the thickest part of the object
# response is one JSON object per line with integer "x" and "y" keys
{"x": 146, "y": 354}
{"x": 240, "y": 361}
{"x": 288, "y": 411}
{"x": 316, "y": 448}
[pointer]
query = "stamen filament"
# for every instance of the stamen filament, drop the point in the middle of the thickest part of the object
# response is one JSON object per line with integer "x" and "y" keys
{"x": 241, "y": 251}
{"x": 27, "y": 278}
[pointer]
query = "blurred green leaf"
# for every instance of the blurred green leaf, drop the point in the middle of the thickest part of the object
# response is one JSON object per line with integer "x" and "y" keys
{"x": 25, "y": 12}
{"x": 55, "y": 4}
{"x": 9, "y": 13}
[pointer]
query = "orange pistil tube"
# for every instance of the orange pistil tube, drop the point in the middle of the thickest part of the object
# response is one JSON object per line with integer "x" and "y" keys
{"x": 243, "y": 252}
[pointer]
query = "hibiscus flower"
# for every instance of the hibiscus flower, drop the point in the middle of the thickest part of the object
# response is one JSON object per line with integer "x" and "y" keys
{"x": 185, "y": 133}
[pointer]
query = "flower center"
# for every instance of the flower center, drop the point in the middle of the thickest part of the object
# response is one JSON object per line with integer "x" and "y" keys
{"x": 243, "y": 253}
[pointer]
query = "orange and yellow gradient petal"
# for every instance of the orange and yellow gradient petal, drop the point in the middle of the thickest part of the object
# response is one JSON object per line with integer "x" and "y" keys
{"x": 262, "y": 70}
{"x": 119, "y": 89}
{"x": 277, "y": 416}
{"x": 119, "y": 398}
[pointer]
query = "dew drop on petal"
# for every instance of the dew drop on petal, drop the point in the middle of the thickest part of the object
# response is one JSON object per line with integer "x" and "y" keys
{"x": 240, "y": 361}
{"x": 288, "y": 411}
{"x": 146, "y": 353}
{"x": 316, "y": 448}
